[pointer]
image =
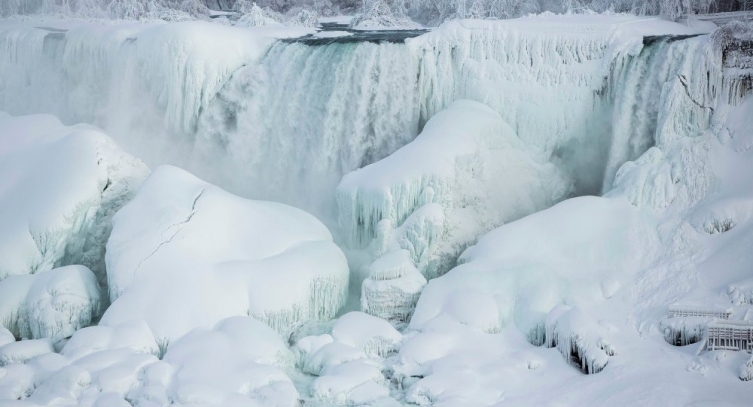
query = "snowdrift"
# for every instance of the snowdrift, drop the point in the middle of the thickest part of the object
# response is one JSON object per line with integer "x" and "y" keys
{"x": 185, "y": 254}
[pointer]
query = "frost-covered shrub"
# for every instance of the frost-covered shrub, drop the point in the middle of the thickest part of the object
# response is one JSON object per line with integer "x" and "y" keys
{"x": 379, "y": 13}
{"x": 254, "y": 16}
{"x": 304, "y": 18}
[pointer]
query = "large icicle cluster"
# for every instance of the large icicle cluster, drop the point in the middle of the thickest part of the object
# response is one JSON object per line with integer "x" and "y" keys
{"x": 59, "y": 188}
{"x": 185, "y": 254}
{"x": 578, "y": 339}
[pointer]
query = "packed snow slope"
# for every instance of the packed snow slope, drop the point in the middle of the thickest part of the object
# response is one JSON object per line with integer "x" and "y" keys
{"x": 250, "y": 114}
{"x": 185, "y": 254}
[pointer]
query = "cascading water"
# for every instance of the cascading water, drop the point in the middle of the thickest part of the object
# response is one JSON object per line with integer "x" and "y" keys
{"x": 306, "y": 115}
{"x": 640, "y": 86}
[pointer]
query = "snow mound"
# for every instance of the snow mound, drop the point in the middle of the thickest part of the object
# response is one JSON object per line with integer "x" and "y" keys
{"x": 51, "y": 304}
{"x": 23, "y": 351}
{"x": 351, "y": 383}
{"x": 186, "y": 254}
{"x": 236, "y": 358}
{"x": 133, "y": 335}
{"x": 518, "y": 273}
{"x": 373, "y": 335}
{"x": 468, "y": 162}
{"x": 54, "y": 213}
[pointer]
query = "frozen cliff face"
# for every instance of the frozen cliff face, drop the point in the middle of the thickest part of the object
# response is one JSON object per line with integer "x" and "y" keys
{"x": 185, "y": 254}
{"x": 55, "y": 213}
{"x": 465, "y": 173}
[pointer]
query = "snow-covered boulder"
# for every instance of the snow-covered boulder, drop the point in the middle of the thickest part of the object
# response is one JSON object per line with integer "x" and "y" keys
{"x": 392, "y": 288}
{"x": 352, "y": 383}
{"x": 331, "y": 354}
{"x": 23, "y": 351}
{"x": 239, "y": 358}
{"x": 466, "y": 173}
{"x": 59, "y": 188}
{"x": 49, "y": 304}
{"x": 186, "y": 254}
{"x": 372, "y": 335}
{"x": 134, "y": 335}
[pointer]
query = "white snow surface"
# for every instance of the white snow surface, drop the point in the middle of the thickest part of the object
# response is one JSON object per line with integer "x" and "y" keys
{"x": 185, "y": 254}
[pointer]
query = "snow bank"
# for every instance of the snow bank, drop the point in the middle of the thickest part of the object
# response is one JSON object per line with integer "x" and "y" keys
{"x": 519, "y": 272}
{"x": 55, "y": 213}
{"x": 51, "y": 304}
{"x": 186, "y": 254}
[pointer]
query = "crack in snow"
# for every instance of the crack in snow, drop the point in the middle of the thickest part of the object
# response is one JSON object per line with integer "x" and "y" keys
{"x": 170, "y": 239}
{"x": 684, "y": 83}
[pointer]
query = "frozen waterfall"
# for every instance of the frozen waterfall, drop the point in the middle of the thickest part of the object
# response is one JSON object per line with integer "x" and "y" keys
{"x": 285, "y": 120}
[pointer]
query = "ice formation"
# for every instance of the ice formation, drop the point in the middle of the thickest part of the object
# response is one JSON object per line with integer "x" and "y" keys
{"x": 185, "y": 254}
{"x": 50, "y": 304}
{"x": 392, "y": 288}
{"x": 54, "y": 213}
{"x": 469, "y": 163}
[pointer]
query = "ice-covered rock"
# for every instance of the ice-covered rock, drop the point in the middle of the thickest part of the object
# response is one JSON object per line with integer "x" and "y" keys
{"x": 186, "y": 254}
{"x": 465, "y": 173}
{"x": 373, "y": 335}
{"x": 54, "y": 213}
{"x": 392, "y": 288}
{"x": 49, "y": 304}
